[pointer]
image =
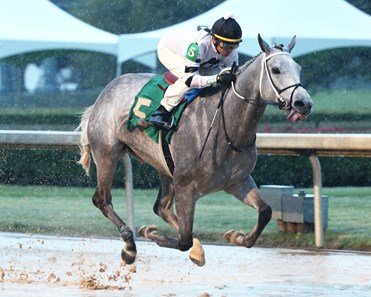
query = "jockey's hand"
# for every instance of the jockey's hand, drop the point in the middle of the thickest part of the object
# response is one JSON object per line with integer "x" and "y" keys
{"x": 226, "y": 78}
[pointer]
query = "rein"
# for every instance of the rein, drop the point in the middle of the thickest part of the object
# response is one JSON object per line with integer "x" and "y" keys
{"x": 281, "y": 103}
{"x": 227, "y": 138}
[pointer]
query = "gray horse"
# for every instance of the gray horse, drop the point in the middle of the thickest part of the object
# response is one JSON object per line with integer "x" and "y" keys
{"x": 228, "y": 157}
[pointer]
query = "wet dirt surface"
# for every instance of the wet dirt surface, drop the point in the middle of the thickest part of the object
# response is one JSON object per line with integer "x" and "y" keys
{"x": 35, "y": 265}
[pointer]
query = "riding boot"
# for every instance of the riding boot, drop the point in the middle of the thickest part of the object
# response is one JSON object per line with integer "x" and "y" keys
{"x": 161, "y": 118}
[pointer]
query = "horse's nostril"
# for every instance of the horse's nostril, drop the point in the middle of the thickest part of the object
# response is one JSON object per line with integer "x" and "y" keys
{"x": 299, "y": 105}
{"x": 303, "y": 107}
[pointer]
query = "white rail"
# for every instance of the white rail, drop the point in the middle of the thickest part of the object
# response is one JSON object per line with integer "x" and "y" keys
{"x": 39, "y": 139}
{"x": 314, "y": 144}
{"x": 310, "y": 145}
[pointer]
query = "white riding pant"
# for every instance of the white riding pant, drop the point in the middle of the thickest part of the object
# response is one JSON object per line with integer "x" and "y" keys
{"x": 176, "y": 65}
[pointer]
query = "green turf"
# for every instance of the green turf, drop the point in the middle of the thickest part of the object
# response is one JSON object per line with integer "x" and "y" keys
{"x": 69, "y": 211}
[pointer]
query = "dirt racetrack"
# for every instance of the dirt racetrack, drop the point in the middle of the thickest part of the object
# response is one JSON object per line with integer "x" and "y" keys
{"x": 35, "y": 265}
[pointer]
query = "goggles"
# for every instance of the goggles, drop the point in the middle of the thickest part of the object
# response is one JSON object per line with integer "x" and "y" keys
{"x": 228, "y": 46}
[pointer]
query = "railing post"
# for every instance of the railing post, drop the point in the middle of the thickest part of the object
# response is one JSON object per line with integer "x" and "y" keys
{"x": 318, "y": 209}
{"x": 129, "y": 193}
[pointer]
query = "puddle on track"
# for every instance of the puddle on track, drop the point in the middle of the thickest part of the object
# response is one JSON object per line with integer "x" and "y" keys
{"x": 36, "y": 265}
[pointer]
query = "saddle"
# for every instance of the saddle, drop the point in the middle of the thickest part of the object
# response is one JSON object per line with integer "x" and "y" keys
{"x": 147, "y": 101}
{"x": 170, "y": 78}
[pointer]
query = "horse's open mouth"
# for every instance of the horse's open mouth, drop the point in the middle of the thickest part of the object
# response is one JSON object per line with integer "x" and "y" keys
{"x": 294, "y": 115}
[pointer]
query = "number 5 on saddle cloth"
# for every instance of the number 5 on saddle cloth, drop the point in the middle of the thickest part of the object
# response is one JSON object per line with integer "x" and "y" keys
{"x": 147, "y": 101}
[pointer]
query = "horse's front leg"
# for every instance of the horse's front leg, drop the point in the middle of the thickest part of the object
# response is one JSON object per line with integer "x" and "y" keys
{"x": 248, "y": 193}
{"x": 182, "y": 222}
{"x": 163, "y": 206}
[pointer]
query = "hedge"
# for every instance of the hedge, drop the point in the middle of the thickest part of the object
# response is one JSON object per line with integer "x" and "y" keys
{"x": 34, "y": 167}
{"x": 43, "y": 167}
{"x": 64, "y": 117}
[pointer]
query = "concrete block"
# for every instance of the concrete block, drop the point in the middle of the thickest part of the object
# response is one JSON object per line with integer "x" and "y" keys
{"x": 273, "y": 195}
{"x": 299, "y": 208}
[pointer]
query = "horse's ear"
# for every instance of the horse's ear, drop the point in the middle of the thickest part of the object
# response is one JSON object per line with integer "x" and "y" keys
{"x": 291, "y": 44}
{"x": 263, "y": 45}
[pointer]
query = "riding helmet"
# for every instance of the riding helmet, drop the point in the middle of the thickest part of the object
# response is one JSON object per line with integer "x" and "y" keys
{"x": 227, "y": 29}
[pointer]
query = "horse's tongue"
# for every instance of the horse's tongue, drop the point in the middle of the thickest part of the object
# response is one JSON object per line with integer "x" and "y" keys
{"x": 293, "y": 116}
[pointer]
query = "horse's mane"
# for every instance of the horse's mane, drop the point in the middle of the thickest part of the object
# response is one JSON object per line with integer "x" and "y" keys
{"x": 247, "y": 64}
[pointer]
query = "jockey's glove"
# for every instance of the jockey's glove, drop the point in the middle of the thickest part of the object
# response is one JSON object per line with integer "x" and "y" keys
{"x": 226, "y": 78}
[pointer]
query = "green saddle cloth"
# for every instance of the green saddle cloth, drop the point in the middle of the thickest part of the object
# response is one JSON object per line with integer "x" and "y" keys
{"x": 146, "y": 103}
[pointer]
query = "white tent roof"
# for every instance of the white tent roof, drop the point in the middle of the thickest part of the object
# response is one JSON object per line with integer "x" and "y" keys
{"x": 33, "y": 25}
{"x": 318, "y": 24}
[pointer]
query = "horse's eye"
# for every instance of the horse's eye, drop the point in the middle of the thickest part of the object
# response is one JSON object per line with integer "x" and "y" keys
{"x": 276, "y": 70}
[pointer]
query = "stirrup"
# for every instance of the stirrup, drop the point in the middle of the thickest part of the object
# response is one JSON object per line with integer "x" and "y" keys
{"x": 170, "y": 125}
{"x": 162, "y": 124}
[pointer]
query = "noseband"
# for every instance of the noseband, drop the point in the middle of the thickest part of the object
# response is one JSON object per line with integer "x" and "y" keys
{"x": 282, "y": 104}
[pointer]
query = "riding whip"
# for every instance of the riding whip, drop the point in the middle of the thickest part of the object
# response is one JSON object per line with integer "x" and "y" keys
{"x": 212, "y": 122}
{"x": 233, "y": 69}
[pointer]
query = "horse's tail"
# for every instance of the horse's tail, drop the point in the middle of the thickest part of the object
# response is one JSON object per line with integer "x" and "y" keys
{"x": 84, "y": 142}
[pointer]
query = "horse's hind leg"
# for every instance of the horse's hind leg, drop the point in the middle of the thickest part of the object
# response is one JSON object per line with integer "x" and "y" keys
{"x": 106, "y": 163}
{"x": 248, "y": 193}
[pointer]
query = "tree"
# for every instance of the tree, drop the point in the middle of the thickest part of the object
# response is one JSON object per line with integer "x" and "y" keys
{"x": 134, "y": 16}
{"x": 125, "y": 16}
{"x": 364, "y": 5}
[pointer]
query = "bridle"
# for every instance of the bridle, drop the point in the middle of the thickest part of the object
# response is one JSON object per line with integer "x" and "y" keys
{"x": 282, "y": 104}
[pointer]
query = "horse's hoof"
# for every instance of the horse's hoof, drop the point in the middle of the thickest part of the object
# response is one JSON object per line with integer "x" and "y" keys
{"x": 128, "y": 256}
{"x": 199, "y": 262}
{"x": 234, "y": 237}
{"x": 197, "y": 254}
{"x": 230, "y": 235}
{"x": 146, "y": 231}
{"x": 141, "y": 230}
{"x": 249, "y": 241}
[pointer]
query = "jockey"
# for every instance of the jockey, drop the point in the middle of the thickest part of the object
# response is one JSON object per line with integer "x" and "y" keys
{"x": 196, "y": 58}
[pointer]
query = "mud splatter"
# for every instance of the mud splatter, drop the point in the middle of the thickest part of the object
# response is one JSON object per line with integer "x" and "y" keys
{"x": 40, "y": 266}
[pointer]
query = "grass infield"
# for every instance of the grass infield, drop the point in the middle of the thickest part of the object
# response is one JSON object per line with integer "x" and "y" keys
{"x": 69, "y": 211}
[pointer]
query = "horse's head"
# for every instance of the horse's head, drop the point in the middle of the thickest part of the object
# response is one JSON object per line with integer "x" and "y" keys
{"x": 280, "y": 81}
